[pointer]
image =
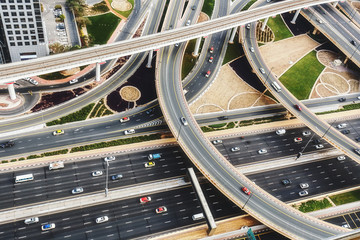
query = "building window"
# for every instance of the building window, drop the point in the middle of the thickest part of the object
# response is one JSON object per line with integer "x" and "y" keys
{"x": 12, "y": 7}
{"x": 18, "y": 38}
{"x": 15, "y": 20}
{"x": 21, "y": 14}
{"x": 10, "y": 32}
{"x": 38, "y": 18}
{"x": 2, "y": 1}
{"x": 30, "y": 20}
{"x": 17, "y": 32}
{"x": 19, "y": 43}
{"x": 33, "y": 37}
{"x": 28, "y": 7}
{"x": 23, "y": 25}
{"x": 8, "y": 26}
{"x": 6, "y": 14}
{"x": 22, "y": 19}
{"x": 26, "y": 37}
{"x": 27, "y": 43}
{"x": 7, "y": 20}
{"x": 25, "y": 32}
{"x": 27, "y": 1}
{"x": 13, "y": 14}
{"x": 34, "y": 43}
{"x": 4, "y": 7}
{"x": 29, "y": 13}
{"x": 12, "y": 44}
{"x": 11, "y": 1}
{"x": 16, "y": 26}
{"x": 31, "y": 25}
{"x": 20, "y": 7}
{"x": 11, "y": 38}
{"x": 19, "y": 1}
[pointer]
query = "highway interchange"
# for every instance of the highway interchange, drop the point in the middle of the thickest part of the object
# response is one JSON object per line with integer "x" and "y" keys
{"x": 141, "y": 175}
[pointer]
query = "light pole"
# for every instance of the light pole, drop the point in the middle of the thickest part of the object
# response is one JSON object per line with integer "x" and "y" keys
{"x": 107, "y": 179}
{"x": 246, "y": 201}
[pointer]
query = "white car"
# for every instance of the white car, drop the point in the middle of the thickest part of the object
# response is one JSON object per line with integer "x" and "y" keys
{"x": 304, "y": 185}
{"x": 183, "y": 121}
{"x": 77, "y": 190}
{"x": 262, "y": 70}
{"x": 280, "y": 131}
{"x": 130, "y": 131}
{"x": 340, "y": 158}
{"x": 303, "y": 193}
{"x": 97, "y": 173}
{"x": 342, "y": 125}
{"x": 33, "y": 81}
{"x": 31, "y": 220}
{"x": 187, "y": 23}
{"x": 319, "y": 146}
{"x": 345, "y": 226}
{"x": 262, "y": 151}
{"x": 248, "y": 26}
{"x": 252, "y": 49}
{"x": 102, "y": 219}
{"x": 217, "y": 141}
{"x": 75, "y": 80}
{"x": 235, "y": 149}
{"x": 109, "y": 158}
{"x": 124, "y": 119}
{"x": 49, "y": 226}
{"x": 306, "y": 133}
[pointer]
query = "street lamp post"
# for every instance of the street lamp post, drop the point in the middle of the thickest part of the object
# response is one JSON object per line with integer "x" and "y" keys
{"x": 107, "y": 179}
{"x": 246, "y": 201}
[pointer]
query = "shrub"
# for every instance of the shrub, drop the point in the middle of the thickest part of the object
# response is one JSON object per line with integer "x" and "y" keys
{"x": 4, "y": 161}
{"x": 21, "y": 159}
{"x": 58, "y": 6}
{"x": 100, "y": 7}
{"x": 13, "y": 160}
{"x": 76, "y": 116}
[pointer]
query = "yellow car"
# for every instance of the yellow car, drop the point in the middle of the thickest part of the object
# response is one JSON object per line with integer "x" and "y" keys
{"x": 58, "y": 132}
{"x": 149, "y": 164}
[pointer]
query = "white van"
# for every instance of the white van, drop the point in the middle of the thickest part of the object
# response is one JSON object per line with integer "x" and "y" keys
{"x": 198, "y": 216}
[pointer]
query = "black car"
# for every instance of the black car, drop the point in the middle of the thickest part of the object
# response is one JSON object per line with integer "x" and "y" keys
{"x": 7, "y": 144}
{"x": 116, "y": 177}
{"x": 286, "y": 181}
{"x": 223, "y": 118}
{"x": 353, "y": 42}
{"x": 342, "y": 99}
{"x": 345, "y": 131}
{"x": 317, "y": 141}
{"x": 357, "y": 139}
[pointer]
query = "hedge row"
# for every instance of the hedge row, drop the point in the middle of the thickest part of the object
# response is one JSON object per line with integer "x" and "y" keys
{"x": 73, "y": 117}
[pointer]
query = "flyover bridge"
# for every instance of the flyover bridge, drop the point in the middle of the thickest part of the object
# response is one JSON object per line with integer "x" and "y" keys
{"x": 14, "y": 71}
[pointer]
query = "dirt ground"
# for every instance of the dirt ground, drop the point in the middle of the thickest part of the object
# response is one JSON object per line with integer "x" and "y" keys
{"x": 281, "y": 55}
{"x": 228, "y": 92}
{"x": 121, "y": 5}
{"x": 130, "y": 93}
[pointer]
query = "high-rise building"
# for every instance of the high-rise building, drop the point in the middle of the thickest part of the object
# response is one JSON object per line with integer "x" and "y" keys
{"x": 23, "y": 29}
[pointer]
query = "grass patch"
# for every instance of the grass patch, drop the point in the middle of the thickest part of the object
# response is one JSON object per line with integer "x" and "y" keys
{"x": 313, "y": 205}
{"x": 344, "y": 108}
{"x": 248, "y": 5}
{"x": 125, "y": 13}
{"x": 53, "y": 76}
{"x": 73, "y": 117}
{"x": 233, "y": 51}
{"x": 208, "y": 7}
{"x": 279, "y": 28}
{"x": 116, "y": 143}
{"x": 63, "y": 151}
{"x": 300, "y": 78}
{"x": 221, "y": 125}
{"x": 189, "y": 60}
{"x": 101, "y": 27}
{"x": 347, "y": 197}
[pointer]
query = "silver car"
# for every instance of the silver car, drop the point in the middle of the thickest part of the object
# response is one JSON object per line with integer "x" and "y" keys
{"x": 303, "y": 193}
{"x": 77, "y": 190}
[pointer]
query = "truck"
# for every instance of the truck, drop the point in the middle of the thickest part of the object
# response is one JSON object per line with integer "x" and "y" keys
{"x": 154, "y": 156}
{"x": 56, "y": 165}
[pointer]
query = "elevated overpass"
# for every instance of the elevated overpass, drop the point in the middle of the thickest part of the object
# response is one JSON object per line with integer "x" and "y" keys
{"x": 14, "y": 71}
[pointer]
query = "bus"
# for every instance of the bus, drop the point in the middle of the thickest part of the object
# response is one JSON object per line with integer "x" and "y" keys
{"x": 276, "y": 86}
{"x": 24, "y": 178}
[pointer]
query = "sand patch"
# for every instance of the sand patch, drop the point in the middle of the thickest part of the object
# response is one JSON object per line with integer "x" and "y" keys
{"x": 121, "y": 5}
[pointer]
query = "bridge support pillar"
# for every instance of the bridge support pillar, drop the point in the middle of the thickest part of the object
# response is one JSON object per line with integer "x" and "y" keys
{"x": 11, "y": 90}
{"x": 197, "y": 47}
{"x": 204, "y": 205}
{"x": 346, "y": 60}
{"x": 98, "y": 75}
{"x": 264, "y": 24}
{"x": 150, "y": 56}
{"x": 231, "y": 41}
{"x": 293, "y": 21}
{"x": 335, "y": 4}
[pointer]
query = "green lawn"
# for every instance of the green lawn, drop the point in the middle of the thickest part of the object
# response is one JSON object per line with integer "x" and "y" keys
{"x": 248, "y": 5}
{"x": 279, "y": 28}
{"x": 233, "y": 51}
{"x": 313, "y": 205}
{"x": 208, "y": 7}
{"x": 189, "y": 60}
{"x": 126, "y": 13}
{"x": 102, "y": 27}
{"x": 300, "y": 78}
{"x": 347, "y": 197}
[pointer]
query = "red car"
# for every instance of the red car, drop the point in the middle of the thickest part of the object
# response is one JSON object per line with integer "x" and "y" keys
{"x": 298, "y": 107}
{"x": 298, "y": 139}
{"x": 161, "y": 209}
{"x": 207, "y": 73}
{"x": 211, "y": 50}
{"x": 145, "y": 199}
{"x": 246, "y": 191}
{"x": 124, "y": 119}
